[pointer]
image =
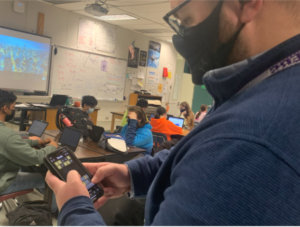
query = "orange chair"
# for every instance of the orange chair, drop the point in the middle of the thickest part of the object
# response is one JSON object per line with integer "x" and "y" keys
{"x": 4, "y": 198}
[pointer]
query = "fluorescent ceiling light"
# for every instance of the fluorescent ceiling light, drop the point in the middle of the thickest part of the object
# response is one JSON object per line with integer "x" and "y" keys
{"x": 170, "y": 40}
{"x": 117, "y": 17}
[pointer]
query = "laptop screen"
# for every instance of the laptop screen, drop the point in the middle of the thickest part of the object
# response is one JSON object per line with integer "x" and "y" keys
{"x": 58, "y": 100}
{"x": 151, "y": 116}
{"x": 177, "y": 121}
{"x": 37, "y": 128}
{"x": 70, "y": 137}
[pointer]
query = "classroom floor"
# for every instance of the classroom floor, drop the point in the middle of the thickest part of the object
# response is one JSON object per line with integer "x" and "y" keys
{"x": 35, "y": 195}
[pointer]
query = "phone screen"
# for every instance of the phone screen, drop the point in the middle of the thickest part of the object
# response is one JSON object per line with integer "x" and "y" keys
{"x": 63, "y": 162}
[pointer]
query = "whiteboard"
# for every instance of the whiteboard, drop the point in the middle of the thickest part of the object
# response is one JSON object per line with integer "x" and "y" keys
{"x": 76, "y": 73}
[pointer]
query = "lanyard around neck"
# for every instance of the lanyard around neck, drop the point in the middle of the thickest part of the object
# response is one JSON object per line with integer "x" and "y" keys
{"x": 287, "y": 62}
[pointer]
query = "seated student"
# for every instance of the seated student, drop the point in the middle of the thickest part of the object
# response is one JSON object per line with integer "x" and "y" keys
{"x": 16, "y": 153}
{"x": 160, "y": 124}
{"x": 201, "y": 114}
{"x": 88, "y": 105}
{"x": 138, "y": 130}
{"x": 187, "y": 113}
{"x": 143, "y": 103}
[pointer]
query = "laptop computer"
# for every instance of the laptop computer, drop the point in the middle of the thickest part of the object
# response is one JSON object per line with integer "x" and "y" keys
{"x": 69, "y": 138}
{"x": 95, "y": 132}
{"x": 177, "y": 121}
{"x": 58, "y": 100}
{"x": 151, "y": 116}
{"x": 37, "y": 128}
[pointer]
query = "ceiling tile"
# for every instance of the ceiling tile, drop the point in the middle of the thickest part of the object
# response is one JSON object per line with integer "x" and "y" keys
{"x": 146, "y": 26}
{"x": 132, "y": 3}
{"x": 146, "y": 8}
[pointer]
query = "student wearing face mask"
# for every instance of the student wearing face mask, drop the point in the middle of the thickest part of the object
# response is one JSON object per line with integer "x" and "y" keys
{"x": 240, "y": 166}
{"x": 188, "y": 115}
{"x": 17, "y": 153}
{"x": 137, "y": 131}
{"x": 88, "y": 105}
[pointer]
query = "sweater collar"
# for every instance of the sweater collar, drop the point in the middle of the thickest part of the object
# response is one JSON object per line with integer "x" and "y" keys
{"x": 222, "y": 86}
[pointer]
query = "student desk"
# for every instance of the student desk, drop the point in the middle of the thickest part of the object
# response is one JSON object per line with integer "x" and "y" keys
{"x": 185, "y": 132}
{"x": 50, "y": 116}
{"x": 89, "y": 151}
{"x": 115, "y": 115}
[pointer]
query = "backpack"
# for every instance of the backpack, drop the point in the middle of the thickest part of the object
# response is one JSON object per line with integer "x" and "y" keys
{"x": 31, "y": 213}
{"x": 77, "y": 117}
{"x": 113, "y": 142}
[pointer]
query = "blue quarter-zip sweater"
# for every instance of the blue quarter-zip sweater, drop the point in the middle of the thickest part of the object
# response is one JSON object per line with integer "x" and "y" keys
{"x": 239, "y": 166}
{"x": 138, "y": 137}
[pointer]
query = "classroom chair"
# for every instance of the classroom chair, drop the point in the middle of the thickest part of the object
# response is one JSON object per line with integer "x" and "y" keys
{"x": 118, "y": 129}
{"x": 158, "y": 138}
{"x": 4, "y": 198}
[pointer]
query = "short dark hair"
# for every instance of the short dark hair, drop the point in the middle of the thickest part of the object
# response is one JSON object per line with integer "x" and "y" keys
{"x": 143, "y": 103}
{"x": 89, "y": 101}
{"x": 6, "y": 98}
{"x": 159, "y": 112}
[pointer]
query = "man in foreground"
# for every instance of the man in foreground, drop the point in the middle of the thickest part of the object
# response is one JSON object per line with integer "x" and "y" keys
{"x": 240, "y": 165}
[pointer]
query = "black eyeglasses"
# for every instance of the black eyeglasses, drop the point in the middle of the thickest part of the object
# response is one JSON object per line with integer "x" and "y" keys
{"x": 174, "y": 22}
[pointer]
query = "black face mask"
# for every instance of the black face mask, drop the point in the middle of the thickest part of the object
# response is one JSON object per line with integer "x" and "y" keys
{"x": 10, "y": 117}
{"x": 200, "y": 46}
{"x": 181, "y": 111}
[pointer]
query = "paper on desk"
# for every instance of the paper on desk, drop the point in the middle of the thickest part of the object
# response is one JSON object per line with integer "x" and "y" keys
{"x": 21, "y": 105}
{"x": 42, "y": 105}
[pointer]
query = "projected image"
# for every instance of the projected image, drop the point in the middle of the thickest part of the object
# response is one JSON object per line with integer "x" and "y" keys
{"x": 24, "y": 56}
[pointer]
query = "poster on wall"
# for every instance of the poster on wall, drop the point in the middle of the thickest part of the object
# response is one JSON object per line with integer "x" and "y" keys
{"x": 133, "y": 62}
{"x": 86, "y": 34}
{"x": 143, "y": 58}
{"x": 153, "y": 54}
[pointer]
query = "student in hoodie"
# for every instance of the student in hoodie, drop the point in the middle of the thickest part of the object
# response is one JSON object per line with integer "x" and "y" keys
{"x": 88, "y": 105}
{"x": 143, "y": 103}
{"x": 160, "y": 124}
{"x": 16, "y": 154}
{"x": 137, "y": 131}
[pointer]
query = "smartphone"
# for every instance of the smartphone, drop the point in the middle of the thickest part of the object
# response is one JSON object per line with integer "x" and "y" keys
{"x": 63, "y": 160}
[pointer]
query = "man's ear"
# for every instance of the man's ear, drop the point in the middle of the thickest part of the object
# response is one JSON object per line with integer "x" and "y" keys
{"x": 249, "y": 10}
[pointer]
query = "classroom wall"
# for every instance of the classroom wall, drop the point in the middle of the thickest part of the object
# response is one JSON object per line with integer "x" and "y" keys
{"x": 201, "y": 96}
{"x": 62, "y": 26}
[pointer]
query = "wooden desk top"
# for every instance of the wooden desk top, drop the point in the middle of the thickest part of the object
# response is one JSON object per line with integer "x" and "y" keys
{"x": 117, "y": 113}
{"x": 92, "y": 147}
{"x": 185, "y": 132}
{"x": 81, "y": 152}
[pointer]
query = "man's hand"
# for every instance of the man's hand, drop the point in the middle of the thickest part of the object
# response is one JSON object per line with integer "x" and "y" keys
{"x": 132, "y": 115}
{"x": 65, "y": 191}
{"x": 45, "y": 141}
{"x": 35, "y": 138}
{"x": 112, "y": 177}
{"x": 53, "y": 144}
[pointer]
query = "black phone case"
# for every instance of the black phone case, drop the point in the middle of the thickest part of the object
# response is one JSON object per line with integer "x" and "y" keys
{"x": 54, "y": 172}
